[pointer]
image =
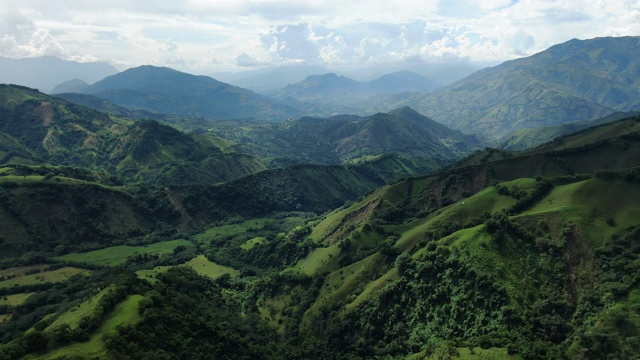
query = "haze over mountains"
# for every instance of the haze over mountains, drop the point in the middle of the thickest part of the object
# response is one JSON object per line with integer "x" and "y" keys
{"x": 341, "y": 90}
{"x": 576, "y": 80}
{"x": 276, "y": 77}
{"x": 44, "y": 73}
{"x": 168, "y": 91}
{"x": 581, "y": 80}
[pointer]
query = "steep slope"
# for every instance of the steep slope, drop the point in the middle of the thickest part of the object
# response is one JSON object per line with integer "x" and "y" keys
{"x": 576, "y": 80}
{"x": 45, "y": 72}
{"x": 167, "y": 91}
{"x": 528, "y": 255}
{"x": 508, "y": 261}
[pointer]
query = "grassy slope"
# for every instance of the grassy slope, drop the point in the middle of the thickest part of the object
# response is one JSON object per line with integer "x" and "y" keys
{"x": 72, "y": 316}
{"x": 208, "y": 268}
{"x": 14, "y": 299}
{"x": 586, "y": 205}
{"x": 57, "y": 275}
{"x": 125, "y": 313}
{"x": 118, "y": 255}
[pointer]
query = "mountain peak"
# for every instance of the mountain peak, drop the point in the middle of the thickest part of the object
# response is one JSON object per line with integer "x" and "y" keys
{"x": 578, "y": 80}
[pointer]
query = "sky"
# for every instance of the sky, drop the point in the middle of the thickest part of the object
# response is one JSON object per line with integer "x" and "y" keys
{"x": 206, "y": 36}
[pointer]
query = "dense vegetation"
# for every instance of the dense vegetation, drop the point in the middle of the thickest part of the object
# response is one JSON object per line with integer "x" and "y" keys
{"x": 111, "y": 245}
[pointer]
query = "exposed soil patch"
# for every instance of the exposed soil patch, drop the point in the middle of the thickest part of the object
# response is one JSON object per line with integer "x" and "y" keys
{"x": 45, "y": 111}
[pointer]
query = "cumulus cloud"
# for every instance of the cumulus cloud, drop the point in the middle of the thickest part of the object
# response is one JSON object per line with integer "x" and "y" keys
{"x": 295, "y": 42}
{"x": 201, "y": 35}
{"x": 168, "y": 46}
{"x": 244, "y": 60}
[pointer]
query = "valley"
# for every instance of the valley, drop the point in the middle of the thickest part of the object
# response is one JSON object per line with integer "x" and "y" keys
{"x": 160, "y": 215}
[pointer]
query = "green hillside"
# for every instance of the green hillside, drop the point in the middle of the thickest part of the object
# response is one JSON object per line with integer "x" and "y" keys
{"x": 527, "y": 255}
{"x": 346, "y": 137}
{"x": 523, "y": 265}
{"x": 529, "y": 138}
{"x": 39, "y": 129}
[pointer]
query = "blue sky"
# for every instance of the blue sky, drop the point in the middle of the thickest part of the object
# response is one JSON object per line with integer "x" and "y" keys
{"x": 204, "y": 36}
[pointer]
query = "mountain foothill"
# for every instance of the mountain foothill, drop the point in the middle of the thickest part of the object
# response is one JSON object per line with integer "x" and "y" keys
{"x": 155, "y": 214}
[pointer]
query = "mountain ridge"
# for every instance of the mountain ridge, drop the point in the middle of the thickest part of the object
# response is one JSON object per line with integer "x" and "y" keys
{"x": 335, "y": 89}
{"x": 171, "y": 92}
{"x": 567, "y": 82}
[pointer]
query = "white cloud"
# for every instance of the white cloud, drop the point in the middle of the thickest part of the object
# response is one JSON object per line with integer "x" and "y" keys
{"x": 244, "y": 60}
{"x": 204, "y": 35}
{"x": 168, "y": 46}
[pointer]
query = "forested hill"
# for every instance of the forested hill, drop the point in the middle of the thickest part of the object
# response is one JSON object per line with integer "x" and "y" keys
{"x": 38, "y": 129}
{"x": 343, "y": 138}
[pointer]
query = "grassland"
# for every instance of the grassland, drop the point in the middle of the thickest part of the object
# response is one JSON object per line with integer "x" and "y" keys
{"x": 150, "y": 274}
{"x": 125, "y": 313}
{"x": 72, "y": 316}
{"x": 249, "y": 244}
{"x": 118, "y": 255}
{"x": 319, "y": 260}
{"x": 23, "y": 270}
{"x": 200, "y": 264}
{"x": 57, "y": 275}
{"x": 14, "y": 299}
{"x": 223, "y": 231}
{"x": 208, "y": 268}
{"x": 591, "y": 204}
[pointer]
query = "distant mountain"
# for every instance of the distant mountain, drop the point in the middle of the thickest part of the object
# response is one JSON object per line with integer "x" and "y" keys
{"x": 576, "y": 80}
{"x": 270, "y": 78}
{"x": 442, "y": 73}
{"x": 44, "y": 73}
{"x": 71, "y": 86}
{"x": 344, "y": 138}
{"x": 401, "y": 81}
{"x": 341, "y": 90}
{"x": 171, "y": 92}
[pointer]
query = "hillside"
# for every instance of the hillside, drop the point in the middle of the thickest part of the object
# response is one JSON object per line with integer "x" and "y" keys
{"x": 348, "y": 138}
{"x": 515, "y": 250}
{"x": 574, "y": 81}
{"x": 39, "y": 129}
{"x": 528, "y": 138}
{"x": 502, "y": 255}
{"x": 170, "y": 92}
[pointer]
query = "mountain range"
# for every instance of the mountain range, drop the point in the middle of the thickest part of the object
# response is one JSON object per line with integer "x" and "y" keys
{"x": 341, "y": 90}
{"x": 574, "y": 81}
{"x": 350, "y": 138}
{"x": 171, "y": 92}
{"x": 267, "y": 78}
